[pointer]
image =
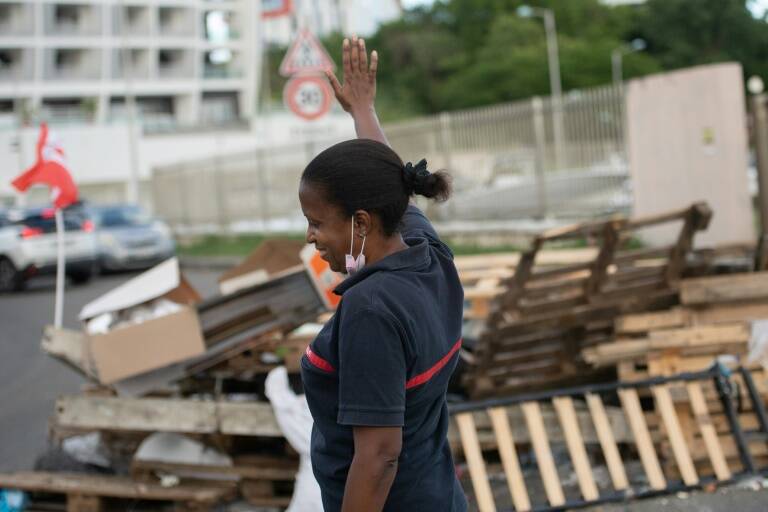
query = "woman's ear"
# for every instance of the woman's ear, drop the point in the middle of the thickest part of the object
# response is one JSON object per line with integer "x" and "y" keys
{"x": 363, "y": 223}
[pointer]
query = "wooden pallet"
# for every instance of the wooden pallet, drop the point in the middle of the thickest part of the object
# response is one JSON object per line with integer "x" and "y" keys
{"x": 682, "y": 453}
{"x": 713, "y": 321}
{"x": 570, "y": 307}
{"x": 257, "y": 478}
{"x": 90, "y": 493}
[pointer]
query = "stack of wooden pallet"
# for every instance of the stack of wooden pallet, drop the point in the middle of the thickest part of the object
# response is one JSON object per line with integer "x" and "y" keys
{"x": 216, "y": 399}
{"x": 713, "y": 323}
{"x": 261, "y": 467}
{"x": 542, "y": 318}
{"x": 483, "y": 276}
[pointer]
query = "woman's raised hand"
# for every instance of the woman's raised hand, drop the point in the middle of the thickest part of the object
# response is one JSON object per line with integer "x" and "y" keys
{"x": 359, "y": 89}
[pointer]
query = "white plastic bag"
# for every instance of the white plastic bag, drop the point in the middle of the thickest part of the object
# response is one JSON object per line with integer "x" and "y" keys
{"x": 295, "y": 420}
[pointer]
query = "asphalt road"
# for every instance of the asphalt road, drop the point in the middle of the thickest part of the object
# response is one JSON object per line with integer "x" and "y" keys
{"x": 30, "y": 381}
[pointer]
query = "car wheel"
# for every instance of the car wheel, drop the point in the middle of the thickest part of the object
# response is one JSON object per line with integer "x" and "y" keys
{"x": 81, "y": 277}
{"x": 10, "y": 278}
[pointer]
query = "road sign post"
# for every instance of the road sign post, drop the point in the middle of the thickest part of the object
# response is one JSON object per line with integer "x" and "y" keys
{"x": 307, "y": 94}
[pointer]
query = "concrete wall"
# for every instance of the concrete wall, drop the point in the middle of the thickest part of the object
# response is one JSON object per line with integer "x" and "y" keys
{"x": 687, "y": 141}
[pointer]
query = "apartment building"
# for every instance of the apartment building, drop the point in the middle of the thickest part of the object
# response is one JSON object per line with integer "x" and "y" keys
{"x": 184, "y": 61}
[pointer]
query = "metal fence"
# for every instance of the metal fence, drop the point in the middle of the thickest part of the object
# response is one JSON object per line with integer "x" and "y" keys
{"x": 505, "y": 162}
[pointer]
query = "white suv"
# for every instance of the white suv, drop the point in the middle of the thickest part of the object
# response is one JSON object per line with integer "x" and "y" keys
{"x": 28, "y": 246}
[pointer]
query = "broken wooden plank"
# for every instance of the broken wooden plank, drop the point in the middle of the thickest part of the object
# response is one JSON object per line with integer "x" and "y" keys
{"x": 544, "y": 459}
{"x": 700, "y": 335}
{"x": 574, "y": 441}
{"x": 607, "y": 442}
{"x": 731, "y": 312}
{"x": 644, "y": 322}
{"x": 506, "y": 444}
{"x": 475, "y": 462}
{"x": 166, "y": 415}
{"x": 675, "y": 434}
{"x": 631, "y": 403}
{"x": 107, "y": 486}
{"x": 272, "y": 469}
{"x": 725, "y": 288}
{"x": 708, "y": 433}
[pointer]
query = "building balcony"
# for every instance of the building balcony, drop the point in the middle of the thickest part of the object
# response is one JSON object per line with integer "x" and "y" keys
{"x": 16, "y": 65}
{"x": 72, "y": 64}
{"x": 131, "y": 20}
{"x": 176, "y": 21}
{"x": 219, "y": 73}
{"x": 222, "y": 63}
{"x": 175, "y": 63}
{"x": 73, "y": 19}
{"x": 133, "y": 63}
{"x": 16, "y": 19}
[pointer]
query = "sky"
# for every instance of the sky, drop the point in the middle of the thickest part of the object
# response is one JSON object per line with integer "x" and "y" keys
{"x": 758, "y": 6}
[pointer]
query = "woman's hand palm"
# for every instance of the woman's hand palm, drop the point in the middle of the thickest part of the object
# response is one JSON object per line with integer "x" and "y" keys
{"x": 359, "y": 88}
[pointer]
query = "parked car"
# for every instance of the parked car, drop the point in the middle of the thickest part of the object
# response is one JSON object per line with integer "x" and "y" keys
{"x": 129, "y": 238}
{"x": 28, "y": 246}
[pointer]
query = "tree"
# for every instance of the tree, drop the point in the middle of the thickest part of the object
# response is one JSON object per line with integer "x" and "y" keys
{"x": 682, "y": 33}
{"x": 467, "y": 53}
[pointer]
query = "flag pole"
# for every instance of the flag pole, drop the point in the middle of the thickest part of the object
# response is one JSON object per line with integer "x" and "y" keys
{"x": 60, "y": 262}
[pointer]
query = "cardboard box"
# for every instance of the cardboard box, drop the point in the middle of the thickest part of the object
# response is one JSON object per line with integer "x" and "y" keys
{"x": 134, "y": 349}
{"x": 269, "y": 259}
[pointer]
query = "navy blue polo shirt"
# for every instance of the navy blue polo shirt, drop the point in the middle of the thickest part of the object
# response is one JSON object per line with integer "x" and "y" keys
{"x": 384, "y": 359}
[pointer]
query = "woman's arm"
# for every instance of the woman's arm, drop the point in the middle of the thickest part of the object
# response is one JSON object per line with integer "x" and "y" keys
{"x": 358, "y": 94}
{"x": 373, "y": 468}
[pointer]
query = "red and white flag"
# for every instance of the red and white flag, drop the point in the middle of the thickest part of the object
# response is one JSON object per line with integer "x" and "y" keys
{"x": 49, "y": 169}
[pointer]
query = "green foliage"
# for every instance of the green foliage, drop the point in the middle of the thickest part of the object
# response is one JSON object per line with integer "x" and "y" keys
{"x": 683, "y": 33}
{"x": 466, "y": 53}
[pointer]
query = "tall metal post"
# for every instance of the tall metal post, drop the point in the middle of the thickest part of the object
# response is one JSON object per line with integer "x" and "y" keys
{"x": 555, "y": 84}
{"x": 616, "y": 66}
{"x": 541, "y": 182}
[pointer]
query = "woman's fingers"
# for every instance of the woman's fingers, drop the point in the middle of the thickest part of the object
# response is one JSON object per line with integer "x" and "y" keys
{"x": 374, "y": 66}
{"x": 355, "y": 54}
{"x": 363, "y": 57}
{"x": 346, "y": 58}
{"x": 337, "y": 89}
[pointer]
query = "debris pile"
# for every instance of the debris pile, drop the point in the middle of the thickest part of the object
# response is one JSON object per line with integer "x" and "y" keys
{"x": 175, "y": 411}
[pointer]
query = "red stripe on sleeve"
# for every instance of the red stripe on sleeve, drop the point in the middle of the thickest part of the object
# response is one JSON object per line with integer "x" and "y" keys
{"x": 425, "y": 376}
{"x": 318, "y": 361}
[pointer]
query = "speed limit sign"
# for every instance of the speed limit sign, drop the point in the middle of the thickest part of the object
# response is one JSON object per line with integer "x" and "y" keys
{"x": 308, "y": 96}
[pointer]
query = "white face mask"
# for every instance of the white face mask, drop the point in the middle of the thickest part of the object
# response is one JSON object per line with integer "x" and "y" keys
{"x": 350, "y": 262}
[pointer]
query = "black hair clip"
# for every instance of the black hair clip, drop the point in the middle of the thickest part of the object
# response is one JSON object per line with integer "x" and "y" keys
{"x": 417, "y": 173}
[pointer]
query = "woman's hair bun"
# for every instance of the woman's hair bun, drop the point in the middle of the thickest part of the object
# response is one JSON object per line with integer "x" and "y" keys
{"x": 424, "y": 183}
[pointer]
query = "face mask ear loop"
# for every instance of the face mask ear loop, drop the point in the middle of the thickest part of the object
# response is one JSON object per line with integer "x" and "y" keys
{"x": 352, "y": 236}
{"x": 363, "y": 247}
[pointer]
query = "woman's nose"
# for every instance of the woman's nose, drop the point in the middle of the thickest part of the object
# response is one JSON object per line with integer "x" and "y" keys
{"x": 310, "y": 237}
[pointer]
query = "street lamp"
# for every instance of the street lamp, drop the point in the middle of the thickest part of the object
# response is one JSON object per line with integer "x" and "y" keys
{"x": 555, "y": 84}
{"x": 617, "y": 57}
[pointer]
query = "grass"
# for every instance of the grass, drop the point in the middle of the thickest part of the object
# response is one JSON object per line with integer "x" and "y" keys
{"x": 236, "y": 245}
{"x": 242, "y": 245}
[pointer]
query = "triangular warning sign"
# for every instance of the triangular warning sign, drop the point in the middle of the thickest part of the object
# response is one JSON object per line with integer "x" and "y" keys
{"x": 306, "y": 55}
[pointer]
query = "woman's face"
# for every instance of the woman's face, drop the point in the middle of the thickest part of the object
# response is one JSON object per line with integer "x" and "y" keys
{"x": 327, "y": 227}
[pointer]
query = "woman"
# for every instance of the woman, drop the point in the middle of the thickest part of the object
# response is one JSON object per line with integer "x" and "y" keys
{"x": 376, "y": 376}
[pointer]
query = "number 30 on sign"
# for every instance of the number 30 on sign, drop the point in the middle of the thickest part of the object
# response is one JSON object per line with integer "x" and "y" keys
{"x": 308, "y": 97}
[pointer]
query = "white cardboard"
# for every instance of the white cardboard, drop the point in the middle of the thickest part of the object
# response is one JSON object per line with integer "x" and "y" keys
{"x": 149, "y": 285}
